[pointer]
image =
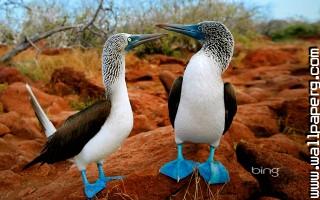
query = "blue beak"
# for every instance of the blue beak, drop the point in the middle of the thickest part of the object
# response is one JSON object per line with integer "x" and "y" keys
{"x": 191, "y": 30}
{"x": 138, "y": 39}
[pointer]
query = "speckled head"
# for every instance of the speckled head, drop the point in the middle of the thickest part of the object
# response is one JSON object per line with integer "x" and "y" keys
{"x": 113, "y": 54}
{"x": 214, "y": 30}
{"x": 215, "y": 37}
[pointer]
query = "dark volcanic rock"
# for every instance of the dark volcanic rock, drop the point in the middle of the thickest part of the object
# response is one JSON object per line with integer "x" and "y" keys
{"x": 279, "y": 174}
{"x": 66, "y": 81}
{"x": 10, "y": 75}
{"x": 259, "y": 118}
{"x": 167, "y": 78}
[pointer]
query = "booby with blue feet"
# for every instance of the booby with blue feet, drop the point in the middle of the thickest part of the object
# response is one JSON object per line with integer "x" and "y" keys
{"x": 201, "y": 106}
{"x": 95, "y": 132}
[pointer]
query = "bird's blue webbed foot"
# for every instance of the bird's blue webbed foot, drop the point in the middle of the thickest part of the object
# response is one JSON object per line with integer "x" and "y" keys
{"x": 91, "y": 189}
{"x": 179, "y": 168}
{"x": 105, "y": 179}
{"x": 213, "y": 171}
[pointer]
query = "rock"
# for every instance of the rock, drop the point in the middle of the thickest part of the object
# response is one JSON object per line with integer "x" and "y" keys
{"x": 144, "y": 181}
{"x": 3, "y": 129}
{"x": 258, "y": 93}
{"x": 275, "y": 104}
{"x": 15, "y": 98}
{"x": 268, "y": 57}
{"x": 282, "y": 144}
{"x": 138, "y": 69}
{"x": 21, "y": 127}
{"x": 268, "y": 198}
{"x": 26, "y": 192}
{"x": 8, "y": 119}
{"x": 66, "y": 81}
{"x": 259, "y": 118}
{"x": 155, "y": 109}
{"x": 7, "y": 160}
{"x": 300, "y": 71}
{"x": 134, "y": 76}
{"x": 293, "y": 93}
{"x": 59, "y": 118}
{"x": 6, "y": 146}
{"x": 133, "y": 62}
{"x": 139, "y": 160}
{"x": 29, "y": 148}
{"x": 142, "y": 124}
{"x": 244, "y": 98}
{"x": 9, "y": 180}
{"x": 280, "y": 175}
{"x": 238, "y": 132}
{"x": 10, "y": 75}
{"x": 167, "y": 78}
{"x": 173, "y": 68}
{"x": 165, "y": 145}
{"x": 159, "y": 59}
{"x": 296, "y": 119}
{"x": 281, "y": 82}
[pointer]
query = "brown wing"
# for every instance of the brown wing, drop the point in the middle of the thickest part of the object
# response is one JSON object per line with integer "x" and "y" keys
{"x": 72, "y": 136}
{"x": 174, "y": 99}
{"x": 230, "y": 103}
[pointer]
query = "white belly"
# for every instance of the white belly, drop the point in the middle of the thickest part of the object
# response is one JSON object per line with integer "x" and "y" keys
{"x": 111, "y": 135}
{"x": 201, "y": 114}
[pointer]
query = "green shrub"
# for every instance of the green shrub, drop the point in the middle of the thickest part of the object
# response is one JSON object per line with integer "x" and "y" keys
{"x": 3, "y": 87}
{"x": 30, "y": 69}
{"x": 297, "y": 30}
{"x": 141, "y": 18}
{"x": 80, "y": 105}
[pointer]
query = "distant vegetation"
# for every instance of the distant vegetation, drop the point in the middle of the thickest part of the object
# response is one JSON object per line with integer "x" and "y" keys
{"x": 132, "y": 16}
{"x": 20, "y": 20}
{"x": 285, "y": 30}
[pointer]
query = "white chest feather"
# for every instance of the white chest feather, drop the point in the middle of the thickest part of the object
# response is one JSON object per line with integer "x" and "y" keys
{"x": 201, "y": 114}
{"x": 111, "y": 135}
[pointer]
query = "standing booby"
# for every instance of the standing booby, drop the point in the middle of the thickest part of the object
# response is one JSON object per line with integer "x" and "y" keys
{"x": 201, "y": 106}
{"x": 97, "y": 131}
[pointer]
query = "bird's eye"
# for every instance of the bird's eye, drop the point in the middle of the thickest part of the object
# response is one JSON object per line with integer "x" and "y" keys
{"x": 199, "y": 28}
{"x": 129, "y": 39}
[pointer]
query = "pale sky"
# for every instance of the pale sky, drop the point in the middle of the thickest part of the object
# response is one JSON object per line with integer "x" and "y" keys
{"x": 272, "y": 9}
{"x": 284, "y": 9}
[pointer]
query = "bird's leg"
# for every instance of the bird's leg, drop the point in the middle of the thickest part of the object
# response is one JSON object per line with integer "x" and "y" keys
{"x": 211, "y": 155}
{"x": 102, "y": 177}
{"x": 90, "y": 189}
{"x": 179, "y": 168}
{"x": 180, "y": 153}
{"x": 213, "y": 171}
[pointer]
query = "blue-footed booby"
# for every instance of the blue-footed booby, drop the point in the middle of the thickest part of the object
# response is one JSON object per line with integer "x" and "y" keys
{"x": 95, "y": 132}
{"x": 201, "y": 106}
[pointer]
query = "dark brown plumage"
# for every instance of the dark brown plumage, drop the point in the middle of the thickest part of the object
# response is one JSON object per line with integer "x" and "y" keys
{"x": 73, "y": 135}
{"x": 174, "y": 99}
{"x": 230, "y": 104}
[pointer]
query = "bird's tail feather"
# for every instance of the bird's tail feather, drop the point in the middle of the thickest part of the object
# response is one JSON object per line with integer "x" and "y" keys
{"x": 33, "y": 162}
{"x": 48, "y": 127}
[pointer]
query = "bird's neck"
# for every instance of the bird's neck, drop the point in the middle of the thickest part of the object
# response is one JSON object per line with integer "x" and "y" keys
{"x": 113, "y": 73}
{"x": 219, "y": 50}
{"x": 119, "y": 93}
{"x": 203, "y": 65}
